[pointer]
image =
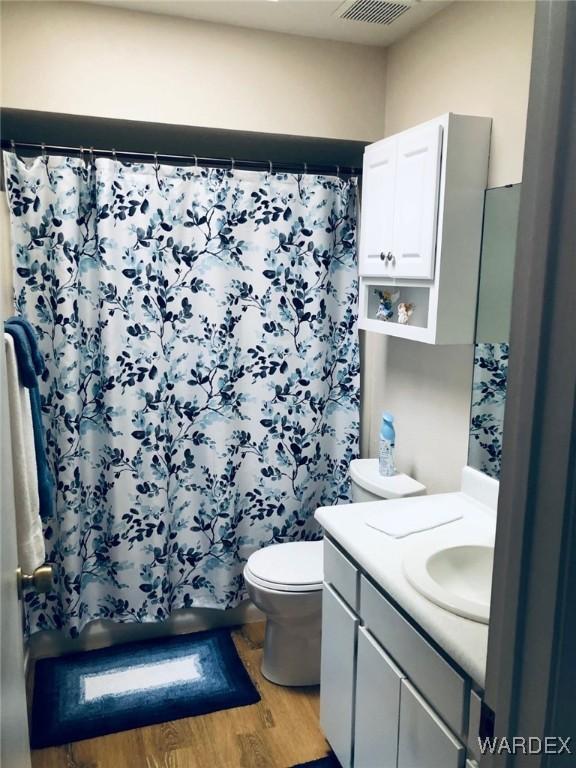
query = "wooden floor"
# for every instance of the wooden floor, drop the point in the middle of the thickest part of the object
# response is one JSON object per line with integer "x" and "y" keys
{"x": 282, "y": 730}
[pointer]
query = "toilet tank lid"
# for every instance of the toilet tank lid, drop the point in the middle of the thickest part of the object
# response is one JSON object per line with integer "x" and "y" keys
{"x": 365, "y": 473}
{"x": 296, "y": 563}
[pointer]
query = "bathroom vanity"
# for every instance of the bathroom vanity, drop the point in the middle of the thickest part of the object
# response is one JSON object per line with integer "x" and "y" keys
{"x": 402, "y": 678}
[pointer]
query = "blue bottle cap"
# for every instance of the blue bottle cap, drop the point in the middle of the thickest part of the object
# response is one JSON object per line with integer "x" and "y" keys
{"x": 388, "y": 417}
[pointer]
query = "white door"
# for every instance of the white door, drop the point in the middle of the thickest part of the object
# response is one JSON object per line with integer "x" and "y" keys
{"x": 14, "y": 745}
{"x": 418, "y": 162}
{"x": 424, "y": 740}
{"x": 377, "y": 219}
{"x": 339, "y": 626}
{"x": 377, "y": 715}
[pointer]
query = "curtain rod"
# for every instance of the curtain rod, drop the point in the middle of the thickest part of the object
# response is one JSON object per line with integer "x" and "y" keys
{"x": 215, "y": 162}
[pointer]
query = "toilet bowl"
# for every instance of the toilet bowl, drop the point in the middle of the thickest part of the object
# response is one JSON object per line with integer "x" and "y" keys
{"x": 285, "y": 582}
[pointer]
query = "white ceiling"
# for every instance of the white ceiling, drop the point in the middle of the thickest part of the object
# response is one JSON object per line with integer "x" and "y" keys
{"x": 311, "y": 18}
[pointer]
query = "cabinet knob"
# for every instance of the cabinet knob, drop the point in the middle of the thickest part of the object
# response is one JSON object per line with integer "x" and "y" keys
{"x": 389, "y": 256}
{"x": 382, "y": 256}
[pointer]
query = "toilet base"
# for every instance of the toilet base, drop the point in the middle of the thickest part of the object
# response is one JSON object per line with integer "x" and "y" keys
{"x": 292, "y": 652}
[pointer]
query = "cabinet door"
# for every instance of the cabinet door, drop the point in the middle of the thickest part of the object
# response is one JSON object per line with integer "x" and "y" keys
{"x": 377, "y": 714}
{"x": 424, "y": 741}
{"x": 377, "y": 219}
{"x": 474, "y": 717}
{"x": 416, "y": 202}
{"x": 337, "y": 675}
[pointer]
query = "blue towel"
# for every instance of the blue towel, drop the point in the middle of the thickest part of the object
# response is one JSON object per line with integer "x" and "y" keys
{"x": 30, "y": 366}
{"x": 35, "y": 354}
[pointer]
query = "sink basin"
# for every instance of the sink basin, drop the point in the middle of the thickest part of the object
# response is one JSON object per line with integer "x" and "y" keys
{"x": 457, "y": 577}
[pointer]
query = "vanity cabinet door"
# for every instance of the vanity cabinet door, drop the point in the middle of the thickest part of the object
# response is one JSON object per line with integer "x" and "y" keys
{"x": 424, "y": 741}
{"x": 377, "y": 716}
{"x": 416, "y": 202}
{"x": 377, "y": 220}
{"x": 337, "y": 676}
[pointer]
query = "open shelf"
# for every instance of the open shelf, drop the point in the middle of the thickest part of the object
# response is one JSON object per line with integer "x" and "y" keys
{"x": 372, "y": 292}
{"x": 417, "y": 296}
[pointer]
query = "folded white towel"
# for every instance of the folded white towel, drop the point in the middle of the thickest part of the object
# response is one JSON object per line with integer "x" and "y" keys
{"x": 31, "y": 547}
{"x": 410, "y": 520}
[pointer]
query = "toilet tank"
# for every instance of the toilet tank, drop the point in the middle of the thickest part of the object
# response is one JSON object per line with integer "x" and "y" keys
{"x": 369, "y": 485}
{"x": 361, "y": 494}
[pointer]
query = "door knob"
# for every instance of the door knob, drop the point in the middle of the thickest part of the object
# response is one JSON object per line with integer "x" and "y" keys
{"x": 41, "y": 580}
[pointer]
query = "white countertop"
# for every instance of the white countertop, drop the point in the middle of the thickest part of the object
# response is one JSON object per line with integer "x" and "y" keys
{"x": 381, "y": 556}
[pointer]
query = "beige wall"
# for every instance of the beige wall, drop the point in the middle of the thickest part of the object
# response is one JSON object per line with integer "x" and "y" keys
{"x": 110, "y": 62}
{"x": 472, "y": 58}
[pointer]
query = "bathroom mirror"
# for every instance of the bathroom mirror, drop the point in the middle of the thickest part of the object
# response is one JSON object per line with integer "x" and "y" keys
{"x": 491, "y": 347}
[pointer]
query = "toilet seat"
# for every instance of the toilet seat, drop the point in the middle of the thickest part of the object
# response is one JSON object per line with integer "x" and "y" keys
{"x": 292, "y": 567}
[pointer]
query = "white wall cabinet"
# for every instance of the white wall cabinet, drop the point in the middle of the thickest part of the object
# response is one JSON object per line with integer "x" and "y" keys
{"x": 400, "y": 181}
{"x": 338, "y": 672}
{"x": 421, "y": 227}
{"x": 376, "y": 711}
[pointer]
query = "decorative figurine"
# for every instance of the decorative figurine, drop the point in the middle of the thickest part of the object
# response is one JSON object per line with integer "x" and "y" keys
{"x": 385, "y": 309}
{"x": 405, "y": 311}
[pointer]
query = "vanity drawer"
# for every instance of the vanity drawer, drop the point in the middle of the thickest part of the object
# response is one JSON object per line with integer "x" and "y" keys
{"x": 340, "y": 574}
{"x": 436, "y": 680}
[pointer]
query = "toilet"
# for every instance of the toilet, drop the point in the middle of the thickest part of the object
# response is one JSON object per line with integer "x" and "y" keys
{"x": 285, "y": 582}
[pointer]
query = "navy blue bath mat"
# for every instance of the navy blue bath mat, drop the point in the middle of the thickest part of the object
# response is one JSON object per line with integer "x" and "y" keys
{"x": 89, "y": 694}
{"x": 329, "y": 761}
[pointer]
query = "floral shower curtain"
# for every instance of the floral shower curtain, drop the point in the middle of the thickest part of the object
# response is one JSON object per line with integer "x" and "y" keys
{"x": 202, "y": 386}
{"x": 488, "y": 405}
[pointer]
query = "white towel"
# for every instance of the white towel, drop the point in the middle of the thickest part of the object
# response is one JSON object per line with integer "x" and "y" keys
{"x": 31, "y": 548}
{"x": 410, "y": 520}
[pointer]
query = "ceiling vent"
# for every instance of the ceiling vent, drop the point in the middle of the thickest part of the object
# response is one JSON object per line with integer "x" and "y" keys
{"x": 372, "y": 11}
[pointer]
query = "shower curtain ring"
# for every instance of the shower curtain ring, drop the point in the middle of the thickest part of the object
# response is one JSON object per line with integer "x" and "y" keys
{"x": 113, "y": 154}
{"x": 12, "y": 145}
{"x": 338, "y": 171}
{"x": 305, "y": 167}
{"x": 43, "y": 148}
{"x": 232, "y": 163}
{"x": 195, "y": 161}
{"x": 91, "y": 155}
{"x": 156, "y": 163}
{"x": 270, "y": 166}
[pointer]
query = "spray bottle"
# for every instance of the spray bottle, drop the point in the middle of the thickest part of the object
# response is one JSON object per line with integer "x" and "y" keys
{"x": 387, "y": 443}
